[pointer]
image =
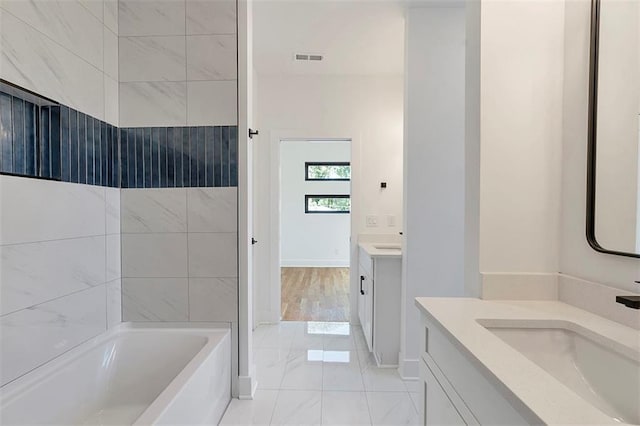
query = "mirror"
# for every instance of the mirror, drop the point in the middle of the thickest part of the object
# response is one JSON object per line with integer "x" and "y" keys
{"x": 613, "y": 197}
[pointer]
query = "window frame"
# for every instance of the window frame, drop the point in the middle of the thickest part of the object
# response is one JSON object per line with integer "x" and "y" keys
{"x": 309, "y": 196}
{"x": 326, "y": 163}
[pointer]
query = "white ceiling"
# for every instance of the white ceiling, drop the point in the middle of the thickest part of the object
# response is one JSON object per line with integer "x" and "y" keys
{"x": 363, "y": 37}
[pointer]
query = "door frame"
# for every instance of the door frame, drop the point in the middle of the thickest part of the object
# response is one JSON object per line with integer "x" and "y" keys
{"x": 276, "y": 137}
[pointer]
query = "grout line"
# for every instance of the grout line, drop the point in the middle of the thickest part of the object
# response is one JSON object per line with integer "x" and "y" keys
{"x": 55, "y": 239}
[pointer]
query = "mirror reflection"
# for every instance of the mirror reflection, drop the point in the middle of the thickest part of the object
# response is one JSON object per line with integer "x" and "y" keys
{"x": 617, "y": 127}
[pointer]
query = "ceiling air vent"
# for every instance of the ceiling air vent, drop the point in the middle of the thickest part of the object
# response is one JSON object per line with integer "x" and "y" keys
{"x": 307, "y": 57}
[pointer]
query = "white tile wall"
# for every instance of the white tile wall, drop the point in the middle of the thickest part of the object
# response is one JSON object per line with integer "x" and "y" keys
{"x": 165, "y": 47}
{"x": 212, "y": 209}
{"x": 154, "y": 255}
{"x": 211, "y": 17}
{"x": 62, "y": 50}
{"x": 201, "y": 111}
{"x": 31, "y": 337}
{"x": 179, "y": 251}
{"x": 154, "y": 210}
{"x": 34, "y": 273}
{"x": 211, "y": 57}
{"x": 155, "y": 299}
{"x": 60, "y": 268}
{"x": 145, "y": 104}
{"x": 213, "y": 254}
{"x": 151, "y": 17}
{"x": 159, "y": 58}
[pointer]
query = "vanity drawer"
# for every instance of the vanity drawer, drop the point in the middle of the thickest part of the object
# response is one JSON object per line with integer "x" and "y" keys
{"x": 486, "y": 402}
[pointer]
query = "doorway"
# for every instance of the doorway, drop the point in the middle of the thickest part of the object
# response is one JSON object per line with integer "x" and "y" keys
{"x": 315, "y": 229}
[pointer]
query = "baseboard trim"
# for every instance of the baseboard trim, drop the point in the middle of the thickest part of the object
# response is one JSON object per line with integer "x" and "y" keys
{"x": 247, "y": 386}
{"x": 409, "y": 369}
{"x": 314, "y": 263}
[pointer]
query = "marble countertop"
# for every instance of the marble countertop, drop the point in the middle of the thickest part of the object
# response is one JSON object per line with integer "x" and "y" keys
{"x": 545, "y": 396}
{"x": 382, "y": 249}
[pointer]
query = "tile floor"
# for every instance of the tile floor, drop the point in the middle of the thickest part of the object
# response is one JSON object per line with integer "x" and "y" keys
{"x": 316, "y": 373}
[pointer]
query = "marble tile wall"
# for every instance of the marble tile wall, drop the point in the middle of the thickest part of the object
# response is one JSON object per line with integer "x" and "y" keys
{"x": 177, "y": 63}
{"x": 66, "y": 50}
{"x": 60, "y": 275}
{"x": 179, "y": 254}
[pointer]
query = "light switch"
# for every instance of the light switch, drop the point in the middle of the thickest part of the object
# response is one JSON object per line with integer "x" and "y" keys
{"x": 372, "y": 221}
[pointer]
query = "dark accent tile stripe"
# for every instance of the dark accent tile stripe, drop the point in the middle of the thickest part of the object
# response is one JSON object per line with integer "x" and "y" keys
{"x": 61, "y": 143}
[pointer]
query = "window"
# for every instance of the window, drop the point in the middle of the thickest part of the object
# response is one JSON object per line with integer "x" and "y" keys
{"x": 327, "y": 171}
{"x": 327, "y": 204}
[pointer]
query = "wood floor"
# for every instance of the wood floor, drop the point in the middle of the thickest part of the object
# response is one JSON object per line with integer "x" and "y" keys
{"x": 315, "y": 294}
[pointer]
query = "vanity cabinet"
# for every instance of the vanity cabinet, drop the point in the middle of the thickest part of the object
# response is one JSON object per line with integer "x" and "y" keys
{"x": 379, "y": 296}
{"x": 454, "y": 391}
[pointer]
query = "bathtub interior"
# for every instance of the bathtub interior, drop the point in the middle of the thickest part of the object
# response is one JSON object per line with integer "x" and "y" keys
{"x": 110, "y": 383}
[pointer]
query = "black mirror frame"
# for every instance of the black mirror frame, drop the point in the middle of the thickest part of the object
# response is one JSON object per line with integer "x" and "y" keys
{"x": 592, "y": 129}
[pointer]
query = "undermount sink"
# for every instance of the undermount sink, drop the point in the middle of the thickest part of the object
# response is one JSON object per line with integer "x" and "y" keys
{"x": 387, "y": 246}
{"x": 596, "y": 368}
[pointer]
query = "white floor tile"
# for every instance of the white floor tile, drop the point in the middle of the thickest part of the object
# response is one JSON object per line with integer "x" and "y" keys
{"x": 257, "y": 411}
{"x": 392, "y": 408}
{"x": 416, "y": 399}
{"x": 412, "y": 385}
{"x": 382, "y": 379}
{"x": 270, "y": 367}
{"x": 296, "y": 407}
{"x": 345, "y": 408}
{"x": 303, "y": 370}
{"x": 339, "y": 376}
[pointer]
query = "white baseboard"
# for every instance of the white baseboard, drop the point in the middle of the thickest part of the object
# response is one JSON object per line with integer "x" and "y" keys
{"x": 314, "y": 263}
{"x": 409, "y": 369}
{"x": 247, "y": 386}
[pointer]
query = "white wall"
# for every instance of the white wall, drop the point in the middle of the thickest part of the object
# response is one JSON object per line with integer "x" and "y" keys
{"x": 179, "y": 257}
{"x": 434, "y": 168}
{"x": 367, "y": 110}
{"x": 521, "y": 132}
{"x": 66, "y": 50}
{"x": 576, "y": 256}
{"x": 59, "y": 269}
{"x": 315, "y": 240}
{"x": 178, "y": 63}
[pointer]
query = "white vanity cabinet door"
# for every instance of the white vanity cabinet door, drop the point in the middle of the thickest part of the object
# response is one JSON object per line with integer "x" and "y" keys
{"x": 437, "y": 408}
{"x": 365, "y": 307}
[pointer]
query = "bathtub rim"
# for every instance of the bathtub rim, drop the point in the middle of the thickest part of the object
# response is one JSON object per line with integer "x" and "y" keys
{"x": 213, "y": 332}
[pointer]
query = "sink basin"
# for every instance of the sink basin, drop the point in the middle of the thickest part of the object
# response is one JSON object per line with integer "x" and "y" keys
{"x": 601, "y": 371}
{"x": 387, "y": 247}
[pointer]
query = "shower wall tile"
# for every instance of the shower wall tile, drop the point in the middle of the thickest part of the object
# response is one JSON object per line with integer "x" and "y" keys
{"x": 111, "y": 101}
{"x": 37, "y": 210}
{"x": 34, "y": 273}
{"x": 213, "y": 255}
{"x": 211, "y": 17}
{"x": 112, "y": 211}
{"x": 159, "y": 58}
{"x": 110, "y": 54}
{"x": 95, "y": 7}
{"x": 211, "y": 57}
{"x": 151, "y": 18}
{"x": 60, "y": 75}
{"x": 213, "y": 299}
{"x": 65, "y": 22}
{"x": 111, "y": 15}
{"x": 155, "y": 299}
{"x": 212, "y": 209}
{"x": 201, "y": 111}
{"x": 113, "y": 257}
{"x": 154, "y": 255}
{"x": 154, "y": 210}
{"x": 114, "y": 303}
{"x": 31, "y": 337}
{"x": 153, "y": 104}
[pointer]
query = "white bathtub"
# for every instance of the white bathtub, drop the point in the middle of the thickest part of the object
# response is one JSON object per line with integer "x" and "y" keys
{"x": 134, "y": 374}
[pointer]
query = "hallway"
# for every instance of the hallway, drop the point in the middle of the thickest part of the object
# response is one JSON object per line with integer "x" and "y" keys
{"x": 315, "y": 294}
{"x": 322, "y": 373}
